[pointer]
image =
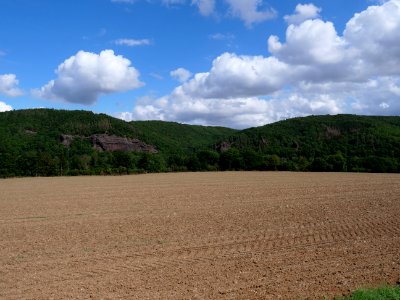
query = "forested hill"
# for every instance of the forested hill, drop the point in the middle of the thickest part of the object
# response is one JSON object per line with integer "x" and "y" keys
{"x": 325, "y": 143}
{"x": 44, "y": 142}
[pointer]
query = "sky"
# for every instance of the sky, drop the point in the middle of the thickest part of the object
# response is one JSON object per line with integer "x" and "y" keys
{"x": 233, "y": 63}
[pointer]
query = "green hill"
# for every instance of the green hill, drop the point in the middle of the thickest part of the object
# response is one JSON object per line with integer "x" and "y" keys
{"x": 326, "y": 143}
{"x": 31, "y": 143}
{"x": 44, "y": 142}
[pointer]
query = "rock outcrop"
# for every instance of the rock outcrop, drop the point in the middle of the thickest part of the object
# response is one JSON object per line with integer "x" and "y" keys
{"x": 223, "y": 146}
{"x": 105, "y": 142}
{"x": 67, "y": 139}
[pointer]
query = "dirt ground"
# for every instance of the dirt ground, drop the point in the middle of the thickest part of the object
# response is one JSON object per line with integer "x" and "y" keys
{"x": 243, "y": 235}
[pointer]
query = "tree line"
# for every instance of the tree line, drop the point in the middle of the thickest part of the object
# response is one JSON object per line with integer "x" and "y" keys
{"x": 30, "y": 145}
{"x": 70, "y": 162}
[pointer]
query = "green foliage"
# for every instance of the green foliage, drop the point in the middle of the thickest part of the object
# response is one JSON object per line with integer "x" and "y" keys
{"x": 30, "y": 145}
{"x": 383, "y": 293}
{"x": 231, "y": 160}
{"x": 327, "y": 143}
{"x": 272, "y": 162}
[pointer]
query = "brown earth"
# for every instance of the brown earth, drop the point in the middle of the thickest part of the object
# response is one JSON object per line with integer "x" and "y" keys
{"x": 198, "y": 236}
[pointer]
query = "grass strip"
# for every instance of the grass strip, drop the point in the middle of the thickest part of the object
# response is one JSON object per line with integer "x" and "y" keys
{"x": 381, "y": 293}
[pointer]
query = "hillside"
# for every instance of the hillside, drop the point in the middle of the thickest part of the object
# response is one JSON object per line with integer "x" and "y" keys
{"x": 60, "y": 142}
{"x": 326, "y": 143}
{"x": 44, "y": 142}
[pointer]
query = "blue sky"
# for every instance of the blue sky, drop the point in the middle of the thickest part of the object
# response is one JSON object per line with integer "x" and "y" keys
{"x": 233, "y": 63}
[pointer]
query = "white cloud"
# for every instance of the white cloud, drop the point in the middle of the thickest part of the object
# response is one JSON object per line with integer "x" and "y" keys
{"x": 9, "y": 85}
{"x": 181, "y": 74}
{"x": 206, "y": 7}
{"x": 374, "y": 35}
{"x": 132, "y": 42}
{"x": 250, "y": 11}
{"x": 303, "y": 12}
{"x": 156, "y": 76}
{"x": 238, "y": 76}
{"x": 311, "y": 42}
{"x": 126, "y": 116}
{"x": 123, "y": 1}
{"x": 222, "y": 36}
{"x": 4, "y": 107}
{"x": 241, "y": 112}
{"x": 82, "y": 78}
{"x": 314, "y": 71}
{"x": 172, "y": 2}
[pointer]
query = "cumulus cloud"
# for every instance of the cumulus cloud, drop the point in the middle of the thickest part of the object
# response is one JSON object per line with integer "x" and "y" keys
{"x": 311, "y": 42}
{"x": 181, "y": 74}
{"x": 132, "y": 42}
{"x": 4, "y": 107}
{"x": 250, "y": 11}
{"x": 241, "y": 112}
{"x": 9, "y": 85}
{"x": 237, "y": 76}
{"x": 82, "y": 78}
{"x": 374, "y": 35}
{"x": 303, "y": 12}
{"x": 206, "y": 7}
{"x": 315, "y": 70}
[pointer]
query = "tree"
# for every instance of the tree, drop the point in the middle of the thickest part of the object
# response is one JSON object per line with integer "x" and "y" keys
{"x": 272, "y": 162}
{"x": 231, "y": 160}
{"x": 252, "y": 160}
{"x": 319, "y": 164}
{"x": 151, "y": 162}
{"x": 336, "y": 162}
{"x": 122, "y": 159}
{"x": 208, "y": 159}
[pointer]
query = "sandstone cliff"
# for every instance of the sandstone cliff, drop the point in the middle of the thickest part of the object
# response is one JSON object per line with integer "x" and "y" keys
{"x": 105, "y": 142}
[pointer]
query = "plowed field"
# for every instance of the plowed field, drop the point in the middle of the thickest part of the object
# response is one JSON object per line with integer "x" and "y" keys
{"x": 236, "y": 235}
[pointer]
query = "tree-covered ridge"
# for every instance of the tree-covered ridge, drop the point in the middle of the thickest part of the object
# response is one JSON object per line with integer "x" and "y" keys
{"x": 327, "y": 143}
{"x": 31, "y": 145}
{"x": 175, "y": 138}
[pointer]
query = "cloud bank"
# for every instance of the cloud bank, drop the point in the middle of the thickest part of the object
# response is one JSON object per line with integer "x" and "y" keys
{"x": 314, "y": 71}
{"x": 84, "y": 77}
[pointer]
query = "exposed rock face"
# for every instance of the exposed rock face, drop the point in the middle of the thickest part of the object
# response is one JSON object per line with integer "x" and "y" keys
{"x": 332, "y": 132}
{"x": 30, "y": 131}
{"x": 104, "y": 142}
{"x": 66, "y": 140}
{"x": 222, "y": 147}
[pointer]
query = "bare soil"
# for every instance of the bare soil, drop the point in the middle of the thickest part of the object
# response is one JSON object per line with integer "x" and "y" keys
{"x": 244, "y": 235}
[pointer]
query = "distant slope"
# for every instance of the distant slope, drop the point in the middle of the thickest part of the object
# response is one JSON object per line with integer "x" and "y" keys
{"x": 22, "y": 125}
{"x": 172, "y": 137}
{"x": 45, "y": 142}
{"x": 31, "y": 142}
{"x": 367, "y": 138}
